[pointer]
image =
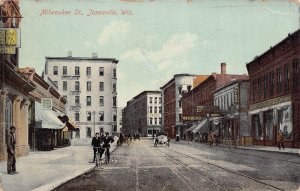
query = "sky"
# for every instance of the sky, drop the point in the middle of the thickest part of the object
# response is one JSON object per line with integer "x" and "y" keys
{"x": 156, "y": 39}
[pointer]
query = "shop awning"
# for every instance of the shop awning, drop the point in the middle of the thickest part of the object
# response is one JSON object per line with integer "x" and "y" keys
{"x": 71, "y": 126}
{"x": 191, "y": 128}
{"x": 201, "y": 127}
{"x": 46, "y": 119}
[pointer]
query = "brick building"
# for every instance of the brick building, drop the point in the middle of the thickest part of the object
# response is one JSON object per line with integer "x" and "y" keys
{"x": 143, "y": 114}
{"x": 198, "y": 104}
{"x": 275, "y": 93}
{"x": 171, "y": 102}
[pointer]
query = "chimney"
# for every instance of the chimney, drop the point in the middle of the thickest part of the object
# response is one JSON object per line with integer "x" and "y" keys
{"x": 69, "y": 53}
{"x": 223, "y": 68}
{"x": 94, "y": 55}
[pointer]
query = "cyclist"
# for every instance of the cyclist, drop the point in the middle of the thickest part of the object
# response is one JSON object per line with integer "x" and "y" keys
{"x": 96, "y": 141}
{"x": 106, "y": 145}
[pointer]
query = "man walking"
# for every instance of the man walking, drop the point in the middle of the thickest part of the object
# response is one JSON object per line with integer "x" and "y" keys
{"x": 11, "y": 155}
{"x": 280, "y": 140}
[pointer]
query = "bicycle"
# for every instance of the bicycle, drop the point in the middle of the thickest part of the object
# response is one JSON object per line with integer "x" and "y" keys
{"x": 105, "y": 153}
{"x": 97, "y": 159}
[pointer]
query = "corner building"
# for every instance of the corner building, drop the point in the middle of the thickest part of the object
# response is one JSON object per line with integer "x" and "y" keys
{"x": 275, "y": 93}
{"x": 89, "y": 84}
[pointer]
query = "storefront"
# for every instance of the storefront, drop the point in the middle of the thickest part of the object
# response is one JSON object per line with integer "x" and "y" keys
{"x": 268, "y": 119}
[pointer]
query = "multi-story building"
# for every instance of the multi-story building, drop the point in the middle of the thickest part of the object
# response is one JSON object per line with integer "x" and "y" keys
{"x": 171, "y": 98}
{"x": 198, "y": 104}
{"x": 233, "y": 102}
{"x": 119, "y": 119}
{"x": 89, "y": 84}
{"x": 275, "y": 93}
{"x": 14, "y": 87}
{"x": 143, "y": 114}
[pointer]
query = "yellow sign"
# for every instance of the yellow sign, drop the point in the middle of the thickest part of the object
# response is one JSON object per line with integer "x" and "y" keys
{"x": 8, "y": 50}
{"x": 11, "y": 37}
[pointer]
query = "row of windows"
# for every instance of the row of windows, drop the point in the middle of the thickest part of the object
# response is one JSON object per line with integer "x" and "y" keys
{"x": 89, "y": 100}
{"x": 77, "y": 71}
{"x": 225, "y": 101}
{"x": 265, "y": 85}
{"x": 153, "y": 121}
{"x": 155, "y": 109}
{"x": 88, "y": 86}
{"x": 180, "y": 89}
{"x": 89, "y": 116}
{"x": 155, "y": 99}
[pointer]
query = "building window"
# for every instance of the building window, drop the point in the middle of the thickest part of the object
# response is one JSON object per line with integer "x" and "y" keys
{"x": 258, "y": 87}
{"x": 272, "y": 84}
{"x": 180, "y": 117}
{"x": 77, "y": 117}
{"x": 253, "y": 90}
{"x": 189, "y": 88}
{"x": 155, "y": 109}
{"x": 160, "y": 109}
{"x": 101, "y": 116}
{"x": 101, "y": 86}
{"x": 150, "y": 109}
{"x": 77, "y": 71}
{"x": 257, "y": 126}
{"x": 88, "y": 101}
{"x": 155, "y": 121}
{"x": 115, "y": 127}
{"x": 114, "y": 101}
{"x": 160, "y": 100}
{"x": 101, "y": 100}
{"x": 77, "y": 100}
{"x": 88, "y": 86}
{"x": 55, "y": 84}
{"x": 65, "y": 85}
{"x": 179, "y": 90}
{"x": 268, "y": 124}
{"x": 77, "y": 86}
{"x": 295, "y": 74}
{"x": 114, "y": 87}
{"x": 179, "y": 103}
{"x": 155, "y": 100}
{"x": 101, "y": 71}
{"x": 65, "y": 70}
{"x": 150, "y": 99}
{"x": 88, "y": 116}
{"x": 265, "y": 85}
{"x": 115, "y": 117}
{"x": 160, "y": 120}
{"x": 287, "y": 77}
{"x": 88, "y": 132}
{"x": 55, "y": 70}
{"x": 114, "y": 73}
{"x": 279, "y": 81}
{"x": 88, "y": 71}
{"x": 150, "y": 122}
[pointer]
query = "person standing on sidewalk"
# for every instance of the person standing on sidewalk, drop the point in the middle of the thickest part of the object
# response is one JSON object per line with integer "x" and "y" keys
{"x": 210, "y": 139}
{"x": 106, "y": 145}
{"x": 96, "y": 141}
{"x": 280, "y": 140}
{"x": 11, "y": 155}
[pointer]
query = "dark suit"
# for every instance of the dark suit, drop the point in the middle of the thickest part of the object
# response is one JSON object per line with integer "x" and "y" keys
{"x": 106, "y": 145}
{"x": 11, "y": 157}
{"x": 96, "y": 142}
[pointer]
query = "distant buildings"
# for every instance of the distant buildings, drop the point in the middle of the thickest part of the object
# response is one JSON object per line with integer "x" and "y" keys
{"x": 89, "y": 84}
{"x": 143, "y": 114}
{"x": 119, "y": 120}
{"x": 171, "y": 101}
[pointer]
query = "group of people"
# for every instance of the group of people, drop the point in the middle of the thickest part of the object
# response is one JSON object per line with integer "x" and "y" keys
{"x": 101, "y": 142}
{"x": 213, "y": 137}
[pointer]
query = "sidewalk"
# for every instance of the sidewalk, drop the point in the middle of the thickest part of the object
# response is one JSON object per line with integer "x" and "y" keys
{"x": 289, "y": 151}
{"x": 46, "y": 170}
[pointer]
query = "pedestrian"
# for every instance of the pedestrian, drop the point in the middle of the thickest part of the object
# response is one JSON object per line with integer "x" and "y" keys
{"x": 280, "y": 140}
{"x": 106, "y": 145}
{"x": 177, "y": 136}
{"x": 210, "y": 139}
{"x": 216, "y": 138}
{"x": 11, "y": 155}
{"x": 96, "y": 142}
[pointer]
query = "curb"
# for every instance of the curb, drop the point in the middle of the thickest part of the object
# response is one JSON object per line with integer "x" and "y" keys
{"x": 56, "y": 184}
{"x": 246, "y": 149}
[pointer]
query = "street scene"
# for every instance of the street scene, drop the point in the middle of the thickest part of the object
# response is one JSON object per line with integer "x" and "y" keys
{"x": 149, "y": 95}
{"x": 186, "y": 166}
